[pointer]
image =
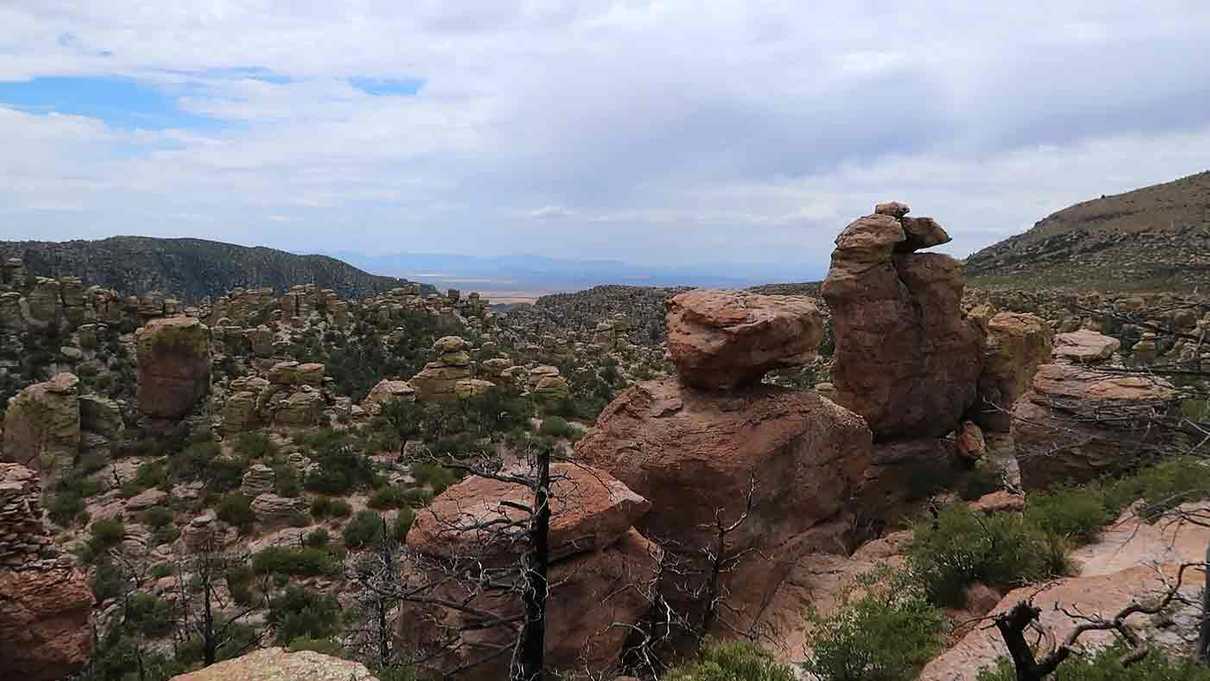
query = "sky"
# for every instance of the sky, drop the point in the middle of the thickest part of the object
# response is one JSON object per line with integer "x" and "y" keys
{"x": 674, "y": 132}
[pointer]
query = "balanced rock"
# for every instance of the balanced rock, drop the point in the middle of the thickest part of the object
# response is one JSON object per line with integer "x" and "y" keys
{"x": 724, "y": 339}
{"x": 1017, "y": 343}
{"x": 42, "y": 425}
{"x": 257, "y": 480}
{"x": 906, "y": 358}
{"x": 590, "y": 509}
{"x": 439, "y": 378}
{"x": 174, "y": 366}
{"x": 698, "y": 457}
{"x": 1078, "y": 423}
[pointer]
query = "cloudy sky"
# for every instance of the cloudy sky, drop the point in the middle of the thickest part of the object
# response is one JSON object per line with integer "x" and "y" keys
{"x": 679, "y": 131}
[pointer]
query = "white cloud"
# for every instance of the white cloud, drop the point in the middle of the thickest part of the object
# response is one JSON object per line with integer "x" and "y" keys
{"x": 670, "y": 130}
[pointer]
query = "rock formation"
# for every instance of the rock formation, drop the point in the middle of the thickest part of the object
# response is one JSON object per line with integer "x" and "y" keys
{"x": 906, "y": 358}
{"x": 1016, "y": 344}
{"x": 42, "y": 425}
{"x": 275, "y": 664}
{"x": 1077, "y": 423}
{"x": 721, "y": 340}
{"x": 45, "y": 631}
{"x": 439, "y": 378}
{"x": 1085, "y": 345}
{"x": 174, "y": 366}
{"x": 790, "y": 460}
{"x": 600, "y": 576}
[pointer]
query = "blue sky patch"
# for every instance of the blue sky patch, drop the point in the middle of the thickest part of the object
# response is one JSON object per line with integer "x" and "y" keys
{"x": 382, "y": 87}
{"x": 119, "y": 102}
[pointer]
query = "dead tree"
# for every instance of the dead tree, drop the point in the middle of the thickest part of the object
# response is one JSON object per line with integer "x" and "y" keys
{"x": 1024, "y": 616}
{"x": 202, "y": 600}
{"x": 483, "y": 591}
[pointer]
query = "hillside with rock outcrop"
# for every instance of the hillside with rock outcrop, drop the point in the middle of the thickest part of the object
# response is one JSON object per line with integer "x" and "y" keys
{"x": 1154, "y": 238}
{"x": 189, "y": 269}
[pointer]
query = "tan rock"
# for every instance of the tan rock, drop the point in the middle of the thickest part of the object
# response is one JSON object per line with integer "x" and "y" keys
{"x": 723, "y": 339}
{"x": 173, "y": 366}
{"x": 1085, "y": 346}
{"x": 969, "y": 441}
{"x": 42, "y": 426}
{"x": 275, "y": 664}
{"x": 385, "y": 391}
{"x": 1017, "y": 343}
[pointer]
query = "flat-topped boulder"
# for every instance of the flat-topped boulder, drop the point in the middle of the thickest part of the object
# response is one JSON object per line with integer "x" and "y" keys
{"x": 1085, "y": 345}
{"x": 275, "y": 664}
{"x": 174, "y": 366}
{"x": 724, "y": 339}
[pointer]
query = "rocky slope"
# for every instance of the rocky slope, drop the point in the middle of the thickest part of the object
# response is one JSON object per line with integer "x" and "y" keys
{"x": 1157, "y": 237}
{"x": 190, "y": 268}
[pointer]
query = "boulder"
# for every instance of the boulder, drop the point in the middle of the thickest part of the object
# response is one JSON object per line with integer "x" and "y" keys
{"x": 1078, "y": 423}
{"x": 698, "y": 456}
{"x": 590, "y": 509}
{"x": 439, "y": 379}
{"x": 906, "y": 357}
{"x": 147, "y": 499}
{"x": 385, "y": 391}
{"x": 595, "y": 598}
{"x": 1017, "y": 343}
{"x": 275, "y": 664}
{"x": 302, "y": 409}
{"x": 42, "y": 425}
{"x": 102, "y": 416}
{"x": 240, "y": 412}
{"x": 720, "y": 340}
{"x": 257, "y": 480}
{"x": 174, "y": 366}
{"x": 472, "y": 387}
{"x": 1085, "y": 345}
{"x": 969, "y": 441}
{"x": 272, "y": 510}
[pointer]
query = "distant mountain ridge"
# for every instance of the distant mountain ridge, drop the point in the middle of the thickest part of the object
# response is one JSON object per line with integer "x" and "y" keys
{"x": 1154, "y": 238}
{"x": 190, "y": 268}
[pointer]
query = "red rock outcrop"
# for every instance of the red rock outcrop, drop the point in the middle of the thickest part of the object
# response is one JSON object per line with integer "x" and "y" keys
{"x": 1017, "y": 343}
{"x": 906, "y": 357}
{"x": 45, "y": 631}
{"x": 174, "y": 366}
{"x": 590, "y": 510}
{"x": 1078, "y": 423}
{"x": 695, "y": 455}
{"x": 602, "y": 575}
{"x": 722, "y": 339}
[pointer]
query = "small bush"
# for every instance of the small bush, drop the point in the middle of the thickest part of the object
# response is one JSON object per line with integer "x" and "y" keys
{"x": 326, "y": 646}
{"x": 1077, "y": 513}
{"x": 316, "y": 539}
{"x": 963, "y": 547}
{"x": 402, "y": 523}
{"x": 738, "y": 661}
{"x": 1162, "y": 487}
{"x": 341, "y": 468}
{"x": 286, "y": 482}
{"x": 557, "y": 426}
{"x": 240, "y": 583}
{"x": 161, "y": 570}
{"x": 108, "y": 582}
{"x": 388, "y": 497}
{"x": 149, "y": 614}
{"x": 105, "y": 534}
{"x": 300, "y": 613}
{"x": 301, "y": 561}
{"x": 883, "y": 629}
{"x": 157, "y": 517}
{"x": 65, "y": 507}
{"x": 434, "y": 476}
{"x": 255, "y": 445}
{"x": 327, "y": 507}
{"x": 236, "y": 509}
{"x": 364, "y": 529}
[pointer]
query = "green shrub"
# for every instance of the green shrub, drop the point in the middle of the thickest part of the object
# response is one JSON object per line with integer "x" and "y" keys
{"x": 236, "y": 509}
{"x": 191, "y": 462}
{"x": 157, "y": 517}
{"x": 1105, "y": 665}
{"x": 388, "y": 497}
{"x": 402, "y": 523}
{"x": 286, "y": 482}
{"x": 317, "y": 538}
{"x": 108, "y": 581}
{"x": 963, "y": 546}
{"x": 1162, "y": 487}
{"x": 1077, "y": 513}
{"x": 883, "y": 629}
{"x": 255, "y": 445}
{"x": 104, "y": 534}
{"x": 557, "y": 426}
{"x": 326, "y": 646}
{"x": 340, "y": 469}
{"x": 65, "y": 507}
{"x": 434, "y": 476}
{"x": 302, "y": 561}
{"x": 149, "y": 614}
{"x": 737, "y": 661}
{"x": 301, "y": 613}
{"x": 161, "y": 570}
{"x": 327, "y": 507}
{"x": 165, "y": 534}
{"x": 240, "y": 583}
{"x": 364, "y": 529}
{"x": 239, "y": 639}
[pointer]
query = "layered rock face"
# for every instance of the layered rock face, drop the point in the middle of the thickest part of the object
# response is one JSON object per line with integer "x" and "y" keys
{"x": 45, "y": 630}
{"x": 42, "y": 425}
{"x": 722, "y": 340}
{"x": 174, "y": 366}
{"x": 906, "y": 357}
{"x": 601, "y": 575}
{"x": 1078, "y": 423}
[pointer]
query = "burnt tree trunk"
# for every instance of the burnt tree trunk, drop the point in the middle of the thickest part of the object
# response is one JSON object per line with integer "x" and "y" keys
{"x": 532, "y": 646}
